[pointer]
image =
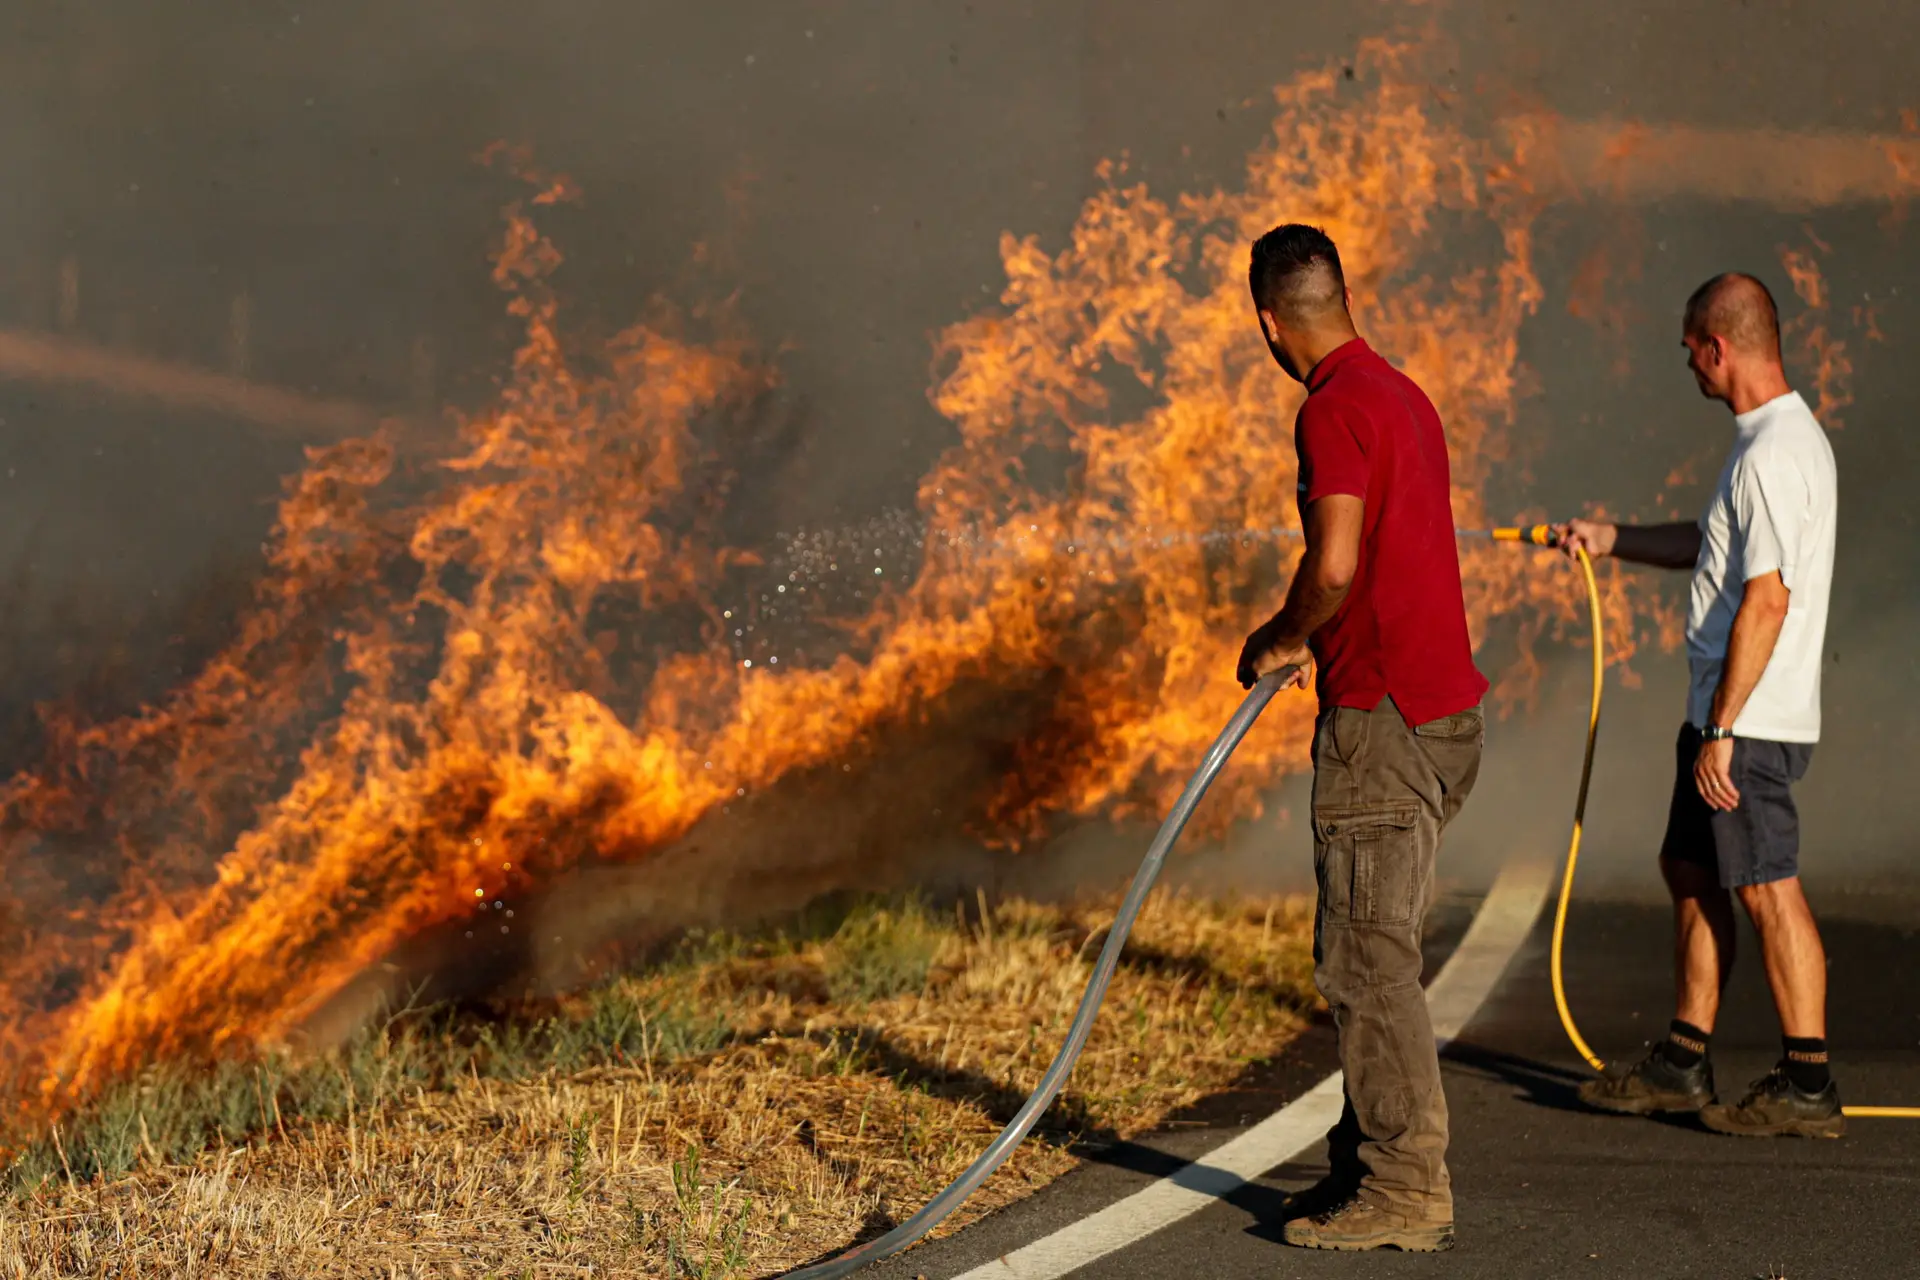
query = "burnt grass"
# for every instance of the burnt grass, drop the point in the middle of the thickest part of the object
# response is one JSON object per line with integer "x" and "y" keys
{"x": 739, "y": 1102}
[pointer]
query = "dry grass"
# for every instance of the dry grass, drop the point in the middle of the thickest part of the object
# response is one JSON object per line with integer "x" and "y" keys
{"x": 749, "y": 1106}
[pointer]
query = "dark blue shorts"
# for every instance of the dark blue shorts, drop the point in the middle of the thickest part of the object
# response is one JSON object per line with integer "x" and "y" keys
{"x": 1759, "y": 841}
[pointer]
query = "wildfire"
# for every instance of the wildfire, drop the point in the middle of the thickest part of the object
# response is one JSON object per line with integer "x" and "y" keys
{"x": 454, "y": 682}
{"x": 1809, "y": 341}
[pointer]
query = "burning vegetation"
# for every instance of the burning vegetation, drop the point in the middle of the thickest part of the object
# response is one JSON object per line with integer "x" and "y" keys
{"x": 458, "y": 678}
{"x": 746, "y": 1105}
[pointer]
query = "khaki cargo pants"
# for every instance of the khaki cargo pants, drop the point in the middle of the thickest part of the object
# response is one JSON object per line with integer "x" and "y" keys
{"x": 1382, "y": 794}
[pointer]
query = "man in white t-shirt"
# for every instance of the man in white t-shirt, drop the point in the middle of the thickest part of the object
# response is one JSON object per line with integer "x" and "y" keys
{"x": 1762, "y": 562}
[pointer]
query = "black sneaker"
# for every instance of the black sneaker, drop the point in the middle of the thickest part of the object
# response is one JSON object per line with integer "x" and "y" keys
{"x": 1651, "y": 1085}
{"x": 1774, "y": 1108}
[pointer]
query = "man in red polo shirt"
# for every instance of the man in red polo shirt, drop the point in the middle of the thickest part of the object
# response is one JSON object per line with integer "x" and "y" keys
{"x": 1376, "y": 602}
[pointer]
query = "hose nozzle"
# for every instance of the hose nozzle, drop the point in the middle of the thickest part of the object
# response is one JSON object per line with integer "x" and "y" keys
{"x": 1540, "y": 535}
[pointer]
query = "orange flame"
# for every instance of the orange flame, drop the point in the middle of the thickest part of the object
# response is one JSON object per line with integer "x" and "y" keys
{"x": 431, "y": 701}
{"x": 1810, "y": 343}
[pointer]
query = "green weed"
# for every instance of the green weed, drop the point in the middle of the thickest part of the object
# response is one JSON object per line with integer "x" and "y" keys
{"x": 879, "y": 952}
{"x": 706, "y": 1243}
{"x": 578, "y": 1133}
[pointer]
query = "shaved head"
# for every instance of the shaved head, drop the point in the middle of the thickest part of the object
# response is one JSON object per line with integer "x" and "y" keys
{"x": 1739, "y": 311}
{"x": 1295, "y": 276}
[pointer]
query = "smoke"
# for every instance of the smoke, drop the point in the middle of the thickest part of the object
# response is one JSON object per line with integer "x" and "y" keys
{"x": 448, "y": 689}
{"x": 299, "y": 212}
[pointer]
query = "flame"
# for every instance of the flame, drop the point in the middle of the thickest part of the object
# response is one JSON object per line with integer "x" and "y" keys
{"x": 1633, "y": 161}
{"x": 1598, "y": 293}
{"x": 1810, "y": 343}
{"x": 432, "y": 702}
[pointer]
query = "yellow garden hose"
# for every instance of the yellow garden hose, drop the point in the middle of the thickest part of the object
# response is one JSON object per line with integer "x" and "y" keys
{"x": 1542, "y": 535}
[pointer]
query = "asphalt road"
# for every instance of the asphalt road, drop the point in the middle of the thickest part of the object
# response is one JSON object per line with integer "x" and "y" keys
{"x": 1547, "y": 1189}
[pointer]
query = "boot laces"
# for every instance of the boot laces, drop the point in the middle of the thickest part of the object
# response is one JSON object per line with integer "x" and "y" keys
{"x": 1771, "y": 1085}
{"x": 1343, "y": 1207}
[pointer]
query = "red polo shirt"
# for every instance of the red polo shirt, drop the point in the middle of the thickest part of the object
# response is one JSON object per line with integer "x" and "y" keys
{"x": 1366, "y": 429}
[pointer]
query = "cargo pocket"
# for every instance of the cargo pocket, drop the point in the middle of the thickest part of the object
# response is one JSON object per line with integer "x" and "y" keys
{"x": 1463, "y": 726}
{"x": 1364, "y": 859}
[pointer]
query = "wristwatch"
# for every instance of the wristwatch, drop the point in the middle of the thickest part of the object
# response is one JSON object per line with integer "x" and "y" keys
{"x": 1714, "y": 733}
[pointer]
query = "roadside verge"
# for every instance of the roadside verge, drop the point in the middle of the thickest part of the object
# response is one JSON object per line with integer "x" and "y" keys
{"x": 1498, "y": 930}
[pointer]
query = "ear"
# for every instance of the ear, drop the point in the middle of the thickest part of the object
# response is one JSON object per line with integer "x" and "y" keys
{"x": 1346, "y": 296}
{"x": 1269, "y": 326}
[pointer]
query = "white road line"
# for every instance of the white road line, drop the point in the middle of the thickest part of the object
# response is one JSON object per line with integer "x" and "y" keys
{"x": 1498, "y": 930}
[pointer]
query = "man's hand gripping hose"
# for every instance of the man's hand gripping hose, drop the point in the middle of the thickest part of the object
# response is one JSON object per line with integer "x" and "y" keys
{"x": 1542, "y": 535}
{"x": 1050, "y": 1084}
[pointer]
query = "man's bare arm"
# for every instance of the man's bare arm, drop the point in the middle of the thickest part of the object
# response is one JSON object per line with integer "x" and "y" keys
{"x": 1665, "y": 546}
{"x": 1318, "y": 588}
{"x": 1326, "y": 571}
{"x": 1756, "y": 628}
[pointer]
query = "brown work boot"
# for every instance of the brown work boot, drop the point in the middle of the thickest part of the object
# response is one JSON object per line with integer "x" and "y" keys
{"x": 1650, "y": 1085}
{"x": 1774, "y": 1108}
{"x": 1360, "y": 1224}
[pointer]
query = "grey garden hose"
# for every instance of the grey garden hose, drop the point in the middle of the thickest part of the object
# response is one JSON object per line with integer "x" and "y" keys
{"x": 1017, "y": 1128}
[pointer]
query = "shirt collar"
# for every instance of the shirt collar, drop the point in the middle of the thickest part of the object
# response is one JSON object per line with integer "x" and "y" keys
{"x": 1330, "y": 362}
{"x": 1750, "y": 422}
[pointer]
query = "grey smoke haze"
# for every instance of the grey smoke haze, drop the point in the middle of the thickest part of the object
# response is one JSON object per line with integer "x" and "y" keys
{"x": 288, "y": 191}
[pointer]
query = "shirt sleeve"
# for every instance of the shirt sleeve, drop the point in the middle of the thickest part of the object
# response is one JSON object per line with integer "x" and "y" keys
{"x": 1333, "y": 457}
{"x": 1770, "y": 509}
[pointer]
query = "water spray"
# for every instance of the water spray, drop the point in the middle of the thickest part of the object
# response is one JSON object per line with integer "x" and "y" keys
{"x": 997, "y": 1151}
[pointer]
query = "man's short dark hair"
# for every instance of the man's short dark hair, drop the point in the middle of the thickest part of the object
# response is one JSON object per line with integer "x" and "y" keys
{"x": 1295, "y": 274}
{"x": 1739, "y": 309}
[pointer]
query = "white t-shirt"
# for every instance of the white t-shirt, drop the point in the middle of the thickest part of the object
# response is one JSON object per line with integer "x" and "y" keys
{"x": 1776, "y": 508}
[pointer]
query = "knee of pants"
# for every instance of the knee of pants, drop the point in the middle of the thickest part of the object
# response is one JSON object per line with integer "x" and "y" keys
{"x": 1370, "y": 968}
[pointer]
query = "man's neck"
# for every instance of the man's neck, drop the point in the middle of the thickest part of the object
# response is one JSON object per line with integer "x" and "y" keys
{"x": 1759, "y": 387}
{"x": 1322, "y": 343}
